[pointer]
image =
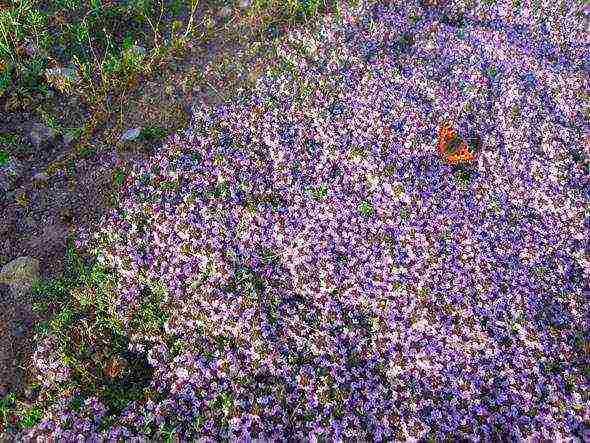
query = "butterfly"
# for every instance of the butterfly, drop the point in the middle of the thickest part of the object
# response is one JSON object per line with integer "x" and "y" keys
{"x": 451, "y": 147}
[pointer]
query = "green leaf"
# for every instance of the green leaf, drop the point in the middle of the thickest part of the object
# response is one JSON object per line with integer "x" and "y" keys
{"x": 87, "y": 151}
{"x": 31, "y": 417}
{"x": 5, "y": 79}
{"x": 3, "y": 157}
{"x": 119, "y": 177}
{"x": 319, "y": 192}
{"x": 464, "y": 176}
{"x": 366, "y": 208}
{"x": 152, "y": 133}
{"x": 127, "y": 42}
{"x": 7, "y": 404}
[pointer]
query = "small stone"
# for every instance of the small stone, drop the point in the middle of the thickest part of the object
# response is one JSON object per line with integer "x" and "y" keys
{"x": 62, "y": 78}
{"x": 225, "y": 12}
{"x": 245, "y": 4}
{"x": 131, "y": 134}
{"x": 18, "y": 331}
{"x": 139, "y": 51}
{"x": 20, "y": 274}
{"x": 41, "y": 135}
{"x": 9, "y": 174}
{"x": 40, "y": 179}
{"x": 67, "y": 139}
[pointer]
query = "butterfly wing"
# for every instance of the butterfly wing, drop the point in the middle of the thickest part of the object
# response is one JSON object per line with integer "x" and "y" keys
{"x": 445, "y": 135}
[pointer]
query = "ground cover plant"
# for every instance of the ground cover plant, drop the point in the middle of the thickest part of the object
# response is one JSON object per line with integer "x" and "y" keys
{"x": 302, "y": 263}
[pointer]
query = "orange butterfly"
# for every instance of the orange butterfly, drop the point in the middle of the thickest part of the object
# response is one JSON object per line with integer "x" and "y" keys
{"x": 451, "y": 147}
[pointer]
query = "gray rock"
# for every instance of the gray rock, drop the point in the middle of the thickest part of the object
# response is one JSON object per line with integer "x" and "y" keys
{"x": 9, "y": 174}
{"x": 131, "y": 134}
{"x": 62, "y": 78}
{"x": 245, "y": 4}
{"x": 40, "y": 177}
{"x": 20, "y": 274}
{"x": 225, "y": 12}
{"x": 18, "y": 331}
{"x": 138, "y": 51}
{"x": 42, "y": 135}
{"x": 67, "y": 139}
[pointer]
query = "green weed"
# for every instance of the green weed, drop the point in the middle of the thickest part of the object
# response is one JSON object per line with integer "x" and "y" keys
{"x": 29, "y": 417}
{"x": 366, "y": 208}
{"x": 151, "y": 133}
{"x": 8, "y": 139}
{"x": 7, "y": 407}
{"x": 3, "y": 157}
{"x": 464, "y": 176}
{"x": 90, "y": 334}
{"x": 319, "y": 192}
{"x": 87, "y": 151}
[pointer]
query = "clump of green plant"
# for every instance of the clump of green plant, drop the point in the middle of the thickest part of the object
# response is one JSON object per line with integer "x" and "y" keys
{"x": 319, "y": 192}
{"x": 91, "y": 341}
{"x": 3, "y": 157}
{"x": 110, "y": 40}
{"x": 366, "y": 208}
{"x": 153, "y": 133}
{"x": 463, "y": 175}
{"x": 16, "y": 414}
